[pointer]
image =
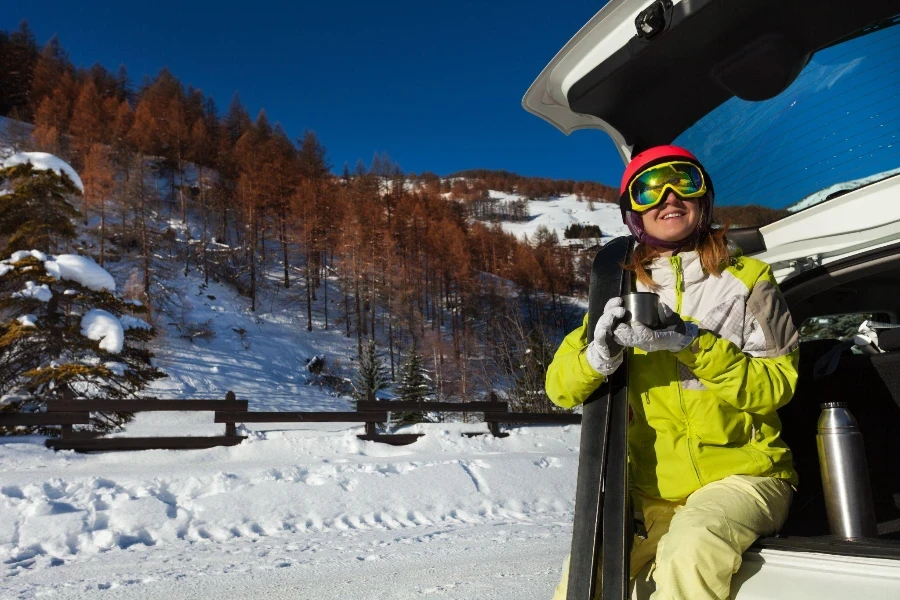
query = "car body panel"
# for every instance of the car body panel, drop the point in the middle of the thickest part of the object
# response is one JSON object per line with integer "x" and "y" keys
{"x": 769, "y": 574}
{"x": 855, "y": 222}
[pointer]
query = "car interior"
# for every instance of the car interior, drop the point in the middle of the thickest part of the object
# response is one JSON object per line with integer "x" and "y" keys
{"x": 867, "y": 378}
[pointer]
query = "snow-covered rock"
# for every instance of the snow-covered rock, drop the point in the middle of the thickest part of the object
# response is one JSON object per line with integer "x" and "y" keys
{"x": 81, "y": 269}
{"x": 102, "y": 326}
{"x": 44, "y": 162}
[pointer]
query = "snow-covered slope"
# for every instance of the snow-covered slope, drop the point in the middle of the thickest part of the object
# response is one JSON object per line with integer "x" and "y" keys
{"x": 558, "y": 213}
{"x": 260, "y": 356}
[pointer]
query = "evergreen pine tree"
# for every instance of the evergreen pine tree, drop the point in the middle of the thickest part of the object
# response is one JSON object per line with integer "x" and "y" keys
{"x": 62, "y": 327}
{"x": 34, "y": 209}
{"x": 372, "y": 375}
{"x": 60, "y": 333}
{"x": 414, "y": 385}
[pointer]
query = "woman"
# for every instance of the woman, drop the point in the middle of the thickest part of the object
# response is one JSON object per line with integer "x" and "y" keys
{"x": 709, "y": 471}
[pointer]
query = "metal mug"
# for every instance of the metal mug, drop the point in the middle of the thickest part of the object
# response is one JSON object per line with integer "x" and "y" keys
{"x": 642, "y": 307}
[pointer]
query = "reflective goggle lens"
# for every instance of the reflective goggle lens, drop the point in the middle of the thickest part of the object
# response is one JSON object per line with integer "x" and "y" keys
{"x": 648, "y": 188}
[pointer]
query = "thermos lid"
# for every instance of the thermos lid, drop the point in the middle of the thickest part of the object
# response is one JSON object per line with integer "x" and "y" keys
{"x": 836, "y": 405}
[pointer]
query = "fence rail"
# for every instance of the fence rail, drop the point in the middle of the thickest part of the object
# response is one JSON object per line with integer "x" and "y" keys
{"x": 68, "y": 411}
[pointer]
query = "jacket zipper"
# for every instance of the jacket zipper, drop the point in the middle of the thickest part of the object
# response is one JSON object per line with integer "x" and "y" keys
{"x": 679, "y": 298}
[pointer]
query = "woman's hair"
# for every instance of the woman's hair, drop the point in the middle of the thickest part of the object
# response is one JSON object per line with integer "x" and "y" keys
{"x": 712, "y": 248}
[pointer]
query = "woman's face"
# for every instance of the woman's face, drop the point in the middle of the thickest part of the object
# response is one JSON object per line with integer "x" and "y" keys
{"x": 673, "y": 219}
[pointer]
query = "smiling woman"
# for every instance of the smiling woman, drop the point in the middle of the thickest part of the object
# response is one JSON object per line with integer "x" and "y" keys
{"x": 708, "y": 468}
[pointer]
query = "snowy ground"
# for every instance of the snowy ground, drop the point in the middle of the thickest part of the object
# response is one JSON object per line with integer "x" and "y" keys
{"x": 293, "y": 512}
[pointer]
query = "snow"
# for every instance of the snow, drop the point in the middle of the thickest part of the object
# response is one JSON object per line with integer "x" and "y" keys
{"x": 129, "y": 322}
{"x": 4, "y": 269}
{"x": 81, "y": 269}
{"x": 117, "y": 368}
{"x": 23, "y": 254}
{"x": 296, "y": 510}
{"x": 39, "y": 292}
{"x": 100, "y": 325}
{"x": 44, "y": 162}
{"x": 308, "y": 508}
{"x": 27, "y": 321}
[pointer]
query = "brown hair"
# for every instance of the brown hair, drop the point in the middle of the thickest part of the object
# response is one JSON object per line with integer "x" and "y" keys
{"x": 712, "y": 247}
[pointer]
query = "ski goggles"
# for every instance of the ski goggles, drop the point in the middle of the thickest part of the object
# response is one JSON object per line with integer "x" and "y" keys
{"x": 649, "y": 187}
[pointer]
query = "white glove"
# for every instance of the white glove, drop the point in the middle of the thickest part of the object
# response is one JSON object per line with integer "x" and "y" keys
{"x": 604, "y": 354}
{"x": 674, "y": 334}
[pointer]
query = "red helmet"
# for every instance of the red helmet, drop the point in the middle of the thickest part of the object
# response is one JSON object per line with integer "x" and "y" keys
{"x": 657, "y": 154}
{"x": 647, "y": 158}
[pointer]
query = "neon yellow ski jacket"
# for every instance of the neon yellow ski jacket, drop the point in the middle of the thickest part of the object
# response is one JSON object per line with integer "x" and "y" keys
{"x": 709, "y": 411}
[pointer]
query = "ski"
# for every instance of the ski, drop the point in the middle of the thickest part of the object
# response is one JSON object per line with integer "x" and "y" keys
{"x": 602, "y": 525}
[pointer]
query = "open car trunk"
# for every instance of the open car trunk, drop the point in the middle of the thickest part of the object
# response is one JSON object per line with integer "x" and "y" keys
{"x": 644, "y": 72}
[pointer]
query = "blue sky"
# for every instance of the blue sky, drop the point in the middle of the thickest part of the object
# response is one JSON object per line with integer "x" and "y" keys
{"x": 435, "y": 85}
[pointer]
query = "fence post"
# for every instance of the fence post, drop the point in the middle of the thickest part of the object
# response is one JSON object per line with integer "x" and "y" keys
{"x": 65, "y": 431}
{"x": 494, "y": 426}
{"x": 370, "y": 425}
{"x": 230, "y": 428}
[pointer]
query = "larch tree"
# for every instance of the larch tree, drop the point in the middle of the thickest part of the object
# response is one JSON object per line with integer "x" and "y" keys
{"x": 88, "y": 123}
{"x": 99, "y": 186}
{"x": 144, "y": 139}
{"x": 51, "y": 66}
{"x": 18, "y": 55}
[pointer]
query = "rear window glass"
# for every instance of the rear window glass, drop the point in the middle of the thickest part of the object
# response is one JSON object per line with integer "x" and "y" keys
{"x": 835, "y": 128}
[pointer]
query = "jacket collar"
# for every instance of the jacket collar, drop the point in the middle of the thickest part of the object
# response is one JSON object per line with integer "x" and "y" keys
{"x": 663, "y": 269}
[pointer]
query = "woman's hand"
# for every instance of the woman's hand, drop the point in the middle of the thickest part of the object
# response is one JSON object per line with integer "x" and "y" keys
{"x": 603, "y": 353}
{"x": 674, "y": 333}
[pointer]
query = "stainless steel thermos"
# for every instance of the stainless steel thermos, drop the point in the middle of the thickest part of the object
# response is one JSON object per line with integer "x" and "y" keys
{"x": 845, "y": 478}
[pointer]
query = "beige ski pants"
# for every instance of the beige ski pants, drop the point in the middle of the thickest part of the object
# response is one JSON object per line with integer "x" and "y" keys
{"x": 697, "y": 543}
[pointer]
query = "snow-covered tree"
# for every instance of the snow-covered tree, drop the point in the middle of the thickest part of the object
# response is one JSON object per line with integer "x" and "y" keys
{"x": 372, "y": 375}
{"x": 414, "y": 384}
{"x": 34, "y": 204}
{"x": 63, "y": 326}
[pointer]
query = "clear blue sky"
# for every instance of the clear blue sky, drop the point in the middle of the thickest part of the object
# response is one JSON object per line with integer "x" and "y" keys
{"x": 436, "y": 85}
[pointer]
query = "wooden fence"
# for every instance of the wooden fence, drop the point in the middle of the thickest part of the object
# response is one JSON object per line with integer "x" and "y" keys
{"x": 68, "y": 411}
